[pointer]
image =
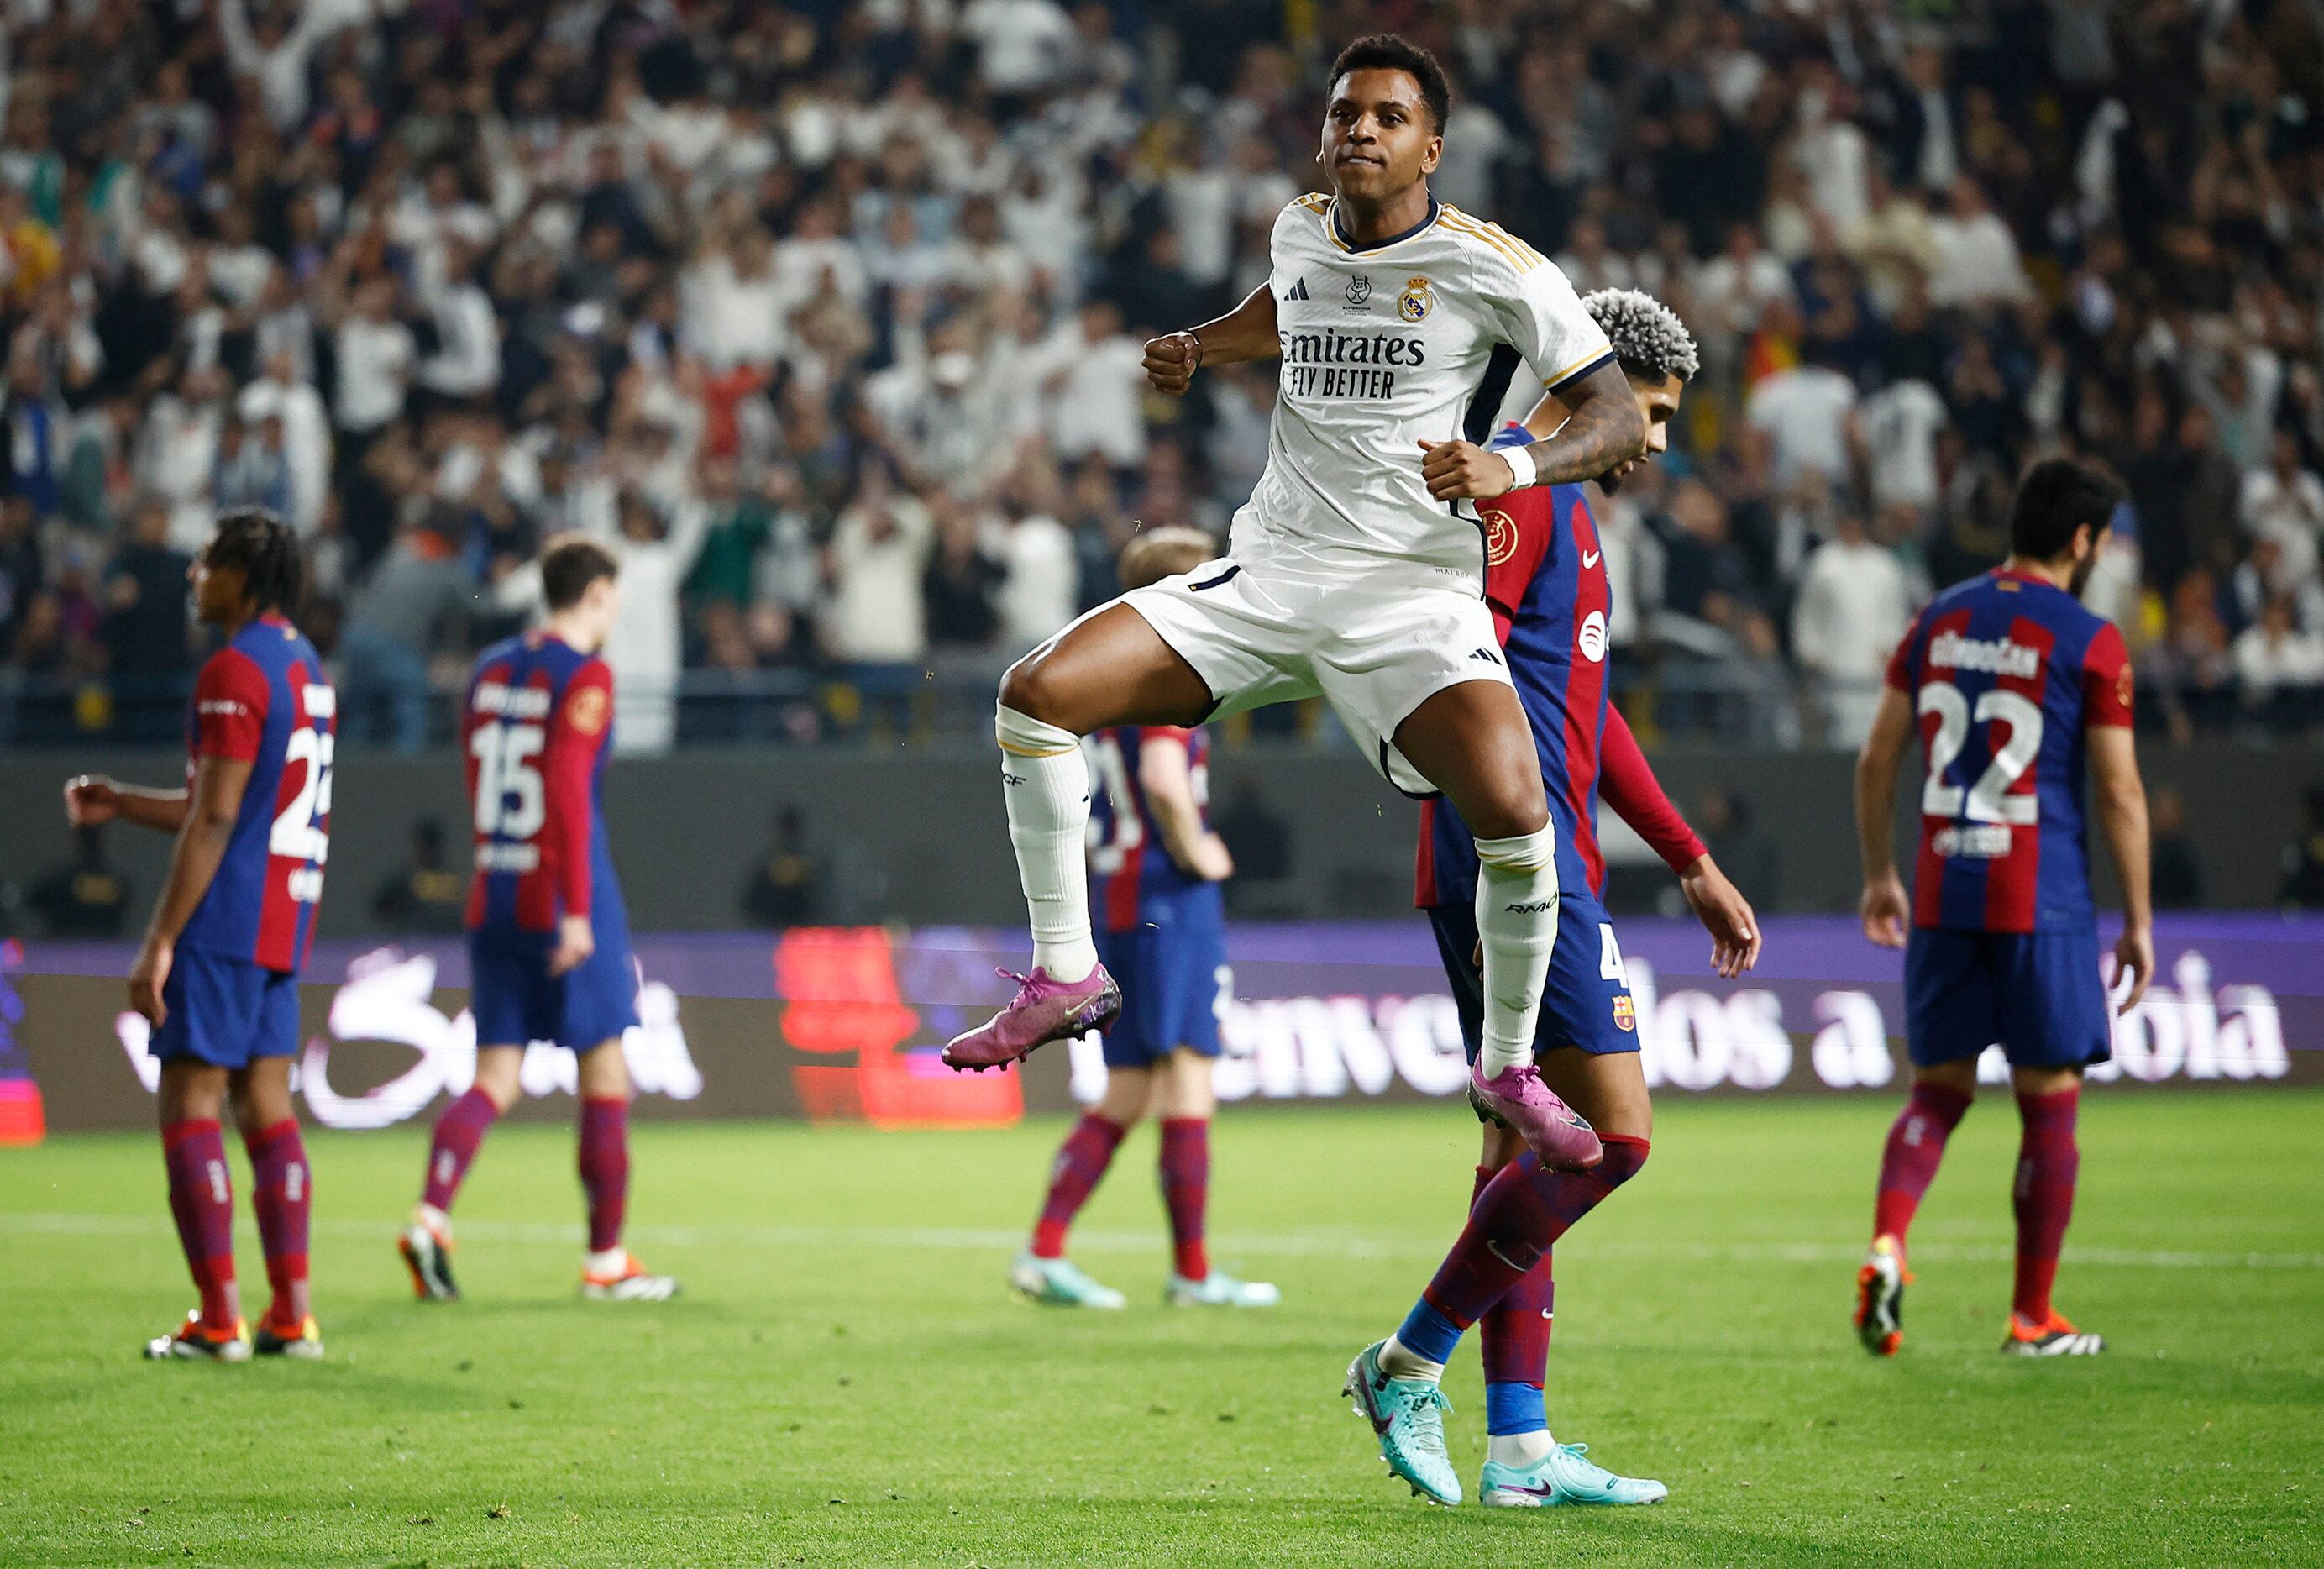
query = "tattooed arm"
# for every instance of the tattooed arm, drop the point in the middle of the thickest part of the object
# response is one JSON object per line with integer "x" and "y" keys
{"x": 1603, "y": 428}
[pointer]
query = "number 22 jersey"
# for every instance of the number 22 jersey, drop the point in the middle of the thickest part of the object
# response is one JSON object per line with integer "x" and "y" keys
{"x": 262, "y": 699}
{"x": 2007, "y": 673}
{"x": 534, "y": 733}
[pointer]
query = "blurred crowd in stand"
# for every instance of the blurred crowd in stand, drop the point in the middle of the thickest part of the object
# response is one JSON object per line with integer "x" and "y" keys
{"x": 826, "y": 317}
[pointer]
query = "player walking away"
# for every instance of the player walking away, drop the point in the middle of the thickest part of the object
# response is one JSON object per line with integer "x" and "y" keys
{"x": 549, "y": 941}
{"x": 217, "y": 974}
{"x": 1547, "y": 583}
{"x": 2012, "y": 685}
{"x": 1356, "y": 571}
{"x": 1155, "y": 870}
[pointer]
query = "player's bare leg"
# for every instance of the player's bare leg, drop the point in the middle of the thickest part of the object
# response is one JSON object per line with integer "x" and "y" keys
{"x": 1524, "y": 1465}
{"x": 610, "y": 1273}
{"x": 425, "y": 1243}
{"x": 1186, "y": 1103}
{"x": 1110, "y": 668}
{"x": 283, "y": 1194}
{"x": 1940, "y": 1094}
{"x": 1471, "y": 742}
{"x": 1042, "y": 1273}
{"x": 2049, "y": 1099}
{"x": 190, "y": 1102}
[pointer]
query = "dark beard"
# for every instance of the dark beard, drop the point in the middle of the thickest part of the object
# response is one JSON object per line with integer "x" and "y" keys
{"x": 2081, "y": 576}
{"x": 1611, "y": 480}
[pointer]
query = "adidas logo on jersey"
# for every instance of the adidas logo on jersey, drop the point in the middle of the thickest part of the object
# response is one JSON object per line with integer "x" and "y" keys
{"x": 1488, "y": 655}
{"x": 1298, "y": 291}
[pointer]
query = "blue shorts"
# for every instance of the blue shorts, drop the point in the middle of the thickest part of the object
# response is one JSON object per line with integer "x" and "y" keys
{"x": 227, "y": 1012}
{"x": 2039, "y": 993}
{"x": 1581, "y": 1003}
{"x": 1169, "y": 966}
{"x": 517, "y": 1001}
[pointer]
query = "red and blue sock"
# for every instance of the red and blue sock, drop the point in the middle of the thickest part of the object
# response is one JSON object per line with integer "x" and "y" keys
{"x": 458, "y": 1133}
{"x": 1513, "y": 1338}
{"x": 1081, "y": 1162}
{"x": 281, "y": 1191}
{"x": 201, "y": 1200}
{"x": 1516, "y": 1221}
{"x": 605, "y": 1168}
{"x": 1187, "y": 1192}
{"x": 1908, "y": 1162}
{"x": 2048, "y": 1161}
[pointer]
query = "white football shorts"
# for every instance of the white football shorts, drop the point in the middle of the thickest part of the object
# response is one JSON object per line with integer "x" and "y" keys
{"x": 1373, "y": 649}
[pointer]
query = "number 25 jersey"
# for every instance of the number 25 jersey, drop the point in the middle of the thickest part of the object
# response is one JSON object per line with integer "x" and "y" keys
{"x": 262, "y": 699}
{"x": 2007, "y": 673}
{"x": 534, "y": 731}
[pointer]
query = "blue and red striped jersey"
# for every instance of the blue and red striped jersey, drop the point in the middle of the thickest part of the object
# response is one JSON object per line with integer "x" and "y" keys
{"x": 1545, "y": 580}
{"x": 1129, "y": 863}
{"x": 537, "y": 715}
{"x": 2007, "y": 673}
{"x": 264, "y": 699}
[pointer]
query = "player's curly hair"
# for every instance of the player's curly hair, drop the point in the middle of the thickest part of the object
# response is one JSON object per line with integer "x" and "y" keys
{"x": 1391, "y": 51}
{"x": 1164, "y": 553}
{"x": 264, "y": 546}
{"x": 1649, "y": 339}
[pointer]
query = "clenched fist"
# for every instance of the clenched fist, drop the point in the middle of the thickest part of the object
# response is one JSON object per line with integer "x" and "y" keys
{"x": 1171, "y": 360}
{"x": 1463, "y": 470}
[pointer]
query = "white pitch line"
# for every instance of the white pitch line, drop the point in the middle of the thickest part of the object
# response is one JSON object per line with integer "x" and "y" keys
{"x": 1294, "y": 1245}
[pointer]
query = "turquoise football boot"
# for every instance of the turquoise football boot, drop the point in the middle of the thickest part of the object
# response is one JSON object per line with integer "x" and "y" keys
{"x": 1057, "y": 1283}
{"x": 1407, "y": 1416}
{"x": 1219, "y": 1290}
{"x": 1562, "y": 1477}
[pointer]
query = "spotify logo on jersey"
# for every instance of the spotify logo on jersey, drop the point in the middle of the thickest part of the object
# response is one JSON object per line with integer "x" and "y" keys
{"x": 1592, "y": 636}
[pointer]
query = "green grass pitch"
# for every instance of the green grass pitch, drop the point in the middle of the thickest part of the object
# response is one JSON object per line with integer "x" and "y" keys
{"x": 847, "y": 1381}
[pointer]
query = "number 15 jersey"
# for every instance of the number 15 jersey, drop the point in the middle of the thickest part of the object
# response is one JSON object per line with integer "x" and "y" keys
{"x": 534, "y": 731}
{"x": 2007, "y": 673}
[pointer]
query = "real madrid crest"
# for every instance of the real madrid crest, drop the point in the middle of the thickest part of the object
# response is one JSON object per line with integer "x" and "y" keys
{"x": 1500, "y": 535}
{"x": 1414, "y": 303}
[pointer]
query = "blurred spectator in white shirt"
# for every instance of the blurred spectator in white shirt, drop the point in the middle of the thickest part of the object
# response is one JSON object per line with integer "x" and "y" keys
{"x": 1977, "y": 264}
{"x": 878, "y": 553}
{"x": 1810, "y": 412}
{"x": 1854, "y": 604}
{"x": 1095, "y": 374}
{"x": 2284, "y": 502}
{"x": 2273, "y": 657}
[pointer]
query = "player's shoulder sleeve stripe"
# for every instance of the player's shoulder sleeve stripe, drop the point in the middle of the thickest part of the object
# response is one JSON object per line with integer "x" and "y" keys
{"x": 1314, "y": 203}
{"x": 1492, "y": 236}
{"x": 1578, "y": 369}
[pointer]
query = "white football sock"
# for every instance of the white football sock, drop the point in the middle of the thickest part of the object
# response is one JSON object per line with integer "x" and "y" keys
{"x": 1519, "y": 1449}
{"x": 612, "y": 1261}
{"x": 1045, "y": 783}
{"x": 1517, "y": 924}
{"x": 1399, "y": 1363}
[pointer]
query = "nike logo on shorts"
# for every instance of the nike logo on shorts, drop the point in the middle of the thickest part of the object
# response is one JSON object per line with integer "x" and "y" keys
{"x": 1589, "y": 559}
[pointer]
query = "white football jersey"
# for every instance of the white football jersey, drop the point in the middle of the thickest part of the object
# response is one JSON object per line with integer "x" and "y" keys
{"x": 1384, "y": 347}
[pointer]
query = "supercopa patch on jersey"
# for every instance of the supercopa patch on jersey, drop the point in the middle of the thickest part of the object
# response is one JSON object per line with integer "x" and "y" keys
{"x": 586, "y": 710}
{"x": 1414, "y": 304}
{"x": 1360, "y": 289}
{"x": 1626, "y": 1013}
{"x": 1500, "y": 535}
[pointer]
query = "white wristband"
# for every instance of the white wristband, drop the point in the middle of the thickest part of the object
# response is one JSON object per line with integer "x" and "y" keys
{"x": 1521, "y": 465}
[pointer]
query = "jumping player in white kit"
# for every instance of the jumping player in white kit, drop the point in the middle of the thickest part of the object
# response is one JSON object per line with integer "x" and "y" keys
{"x": 1356, "y": 571}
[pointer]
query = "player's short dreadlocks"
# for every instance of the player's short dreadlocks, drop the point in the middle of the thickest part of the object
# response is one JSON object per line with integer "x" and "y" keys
{"x": 267, "y": 551}
{"x": 1649, "y": 339}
